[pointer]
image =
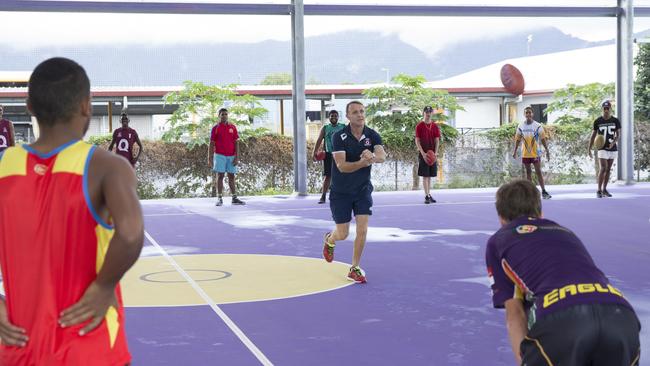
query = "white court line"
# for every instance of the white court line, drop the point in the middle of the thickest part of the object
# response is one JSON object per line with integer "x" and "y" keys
{"x": 235, "y": 329}
{"x": 171, "y": 214}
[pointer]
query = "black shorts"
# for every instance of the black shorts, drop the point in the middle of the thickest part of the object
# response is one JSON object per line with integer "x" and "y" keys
{"x": 327, "y": 164}
{"x": 424, "y": 170}
{"x": 594, "y": 334}
{"x": 343, "y": 205}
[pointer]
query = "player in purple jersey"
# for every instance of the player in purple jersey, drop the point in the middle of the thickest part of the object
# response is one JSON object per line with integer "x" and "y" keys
{"x": 7, "y": 136}
{"x": 560, "y": 308}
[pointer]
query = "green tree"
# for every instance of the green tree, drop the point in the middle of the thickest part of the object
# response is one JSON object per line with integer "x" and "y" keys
{"x": 409, "y": 96}
{"x": 642, "y": 82}
{"x": 277, "y": 78}
{"x": 580, "y": 103}
{"x": 396, "y": 109}
{"x": 198, "y": 105}
{"x": 579, "y": 106}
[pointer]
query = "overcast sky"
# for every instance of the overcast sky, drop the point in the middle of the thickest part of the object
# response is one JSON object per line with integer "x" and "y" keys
{"x": 33, "y": 30}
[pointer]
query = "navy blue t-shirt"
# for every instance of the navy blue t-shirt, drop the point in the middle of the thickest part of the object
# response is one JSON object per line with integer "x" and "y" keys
{"x": 344, "y": 140}
{"x": 547, "y": 266}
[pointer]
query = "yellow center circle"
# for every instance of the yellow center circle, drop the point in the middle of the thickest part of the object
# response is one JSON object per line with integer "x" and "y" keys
{"x": 228, "y": 278}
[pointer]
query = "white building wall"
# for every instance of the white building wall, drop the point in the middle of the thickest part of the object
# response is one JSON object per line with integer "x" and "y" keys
{"x": 143, "y": 124}
{"x": 479, "y": 113}
{"x": 527, "y": 101}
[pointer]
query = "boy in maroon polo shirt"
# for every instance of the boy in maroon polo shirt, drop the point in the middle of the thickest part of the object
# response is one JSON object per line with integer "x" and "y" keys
{"x": 223, "y": 155}
{"x": 427, "y": 137}
{"x": 560, "y": 308}
{"x": 7, "y": 136}
{"x": 125, "y": 137}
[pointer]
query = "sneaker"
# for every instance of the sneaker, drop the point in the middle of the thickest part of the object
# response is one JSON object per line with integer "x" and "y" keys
{"x": 328, "y": 248}
{"x": 427, "y": 200}
{"x": 431, "y": 199}
{"x": 545, "y": 195}
{"x": 606, "y": 194}
{"x": 219, "y": 202}
{"x": 321, "y": 200}
{"x": 237, "y": 201}
{"x": 357, "y": 275}
{"x": 599, "y": 194}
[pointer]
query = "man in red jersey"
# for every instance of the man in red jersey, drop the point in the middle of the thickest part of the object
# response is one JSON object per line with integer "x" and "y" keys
{"x": 125, "y": 137}
{"x": 427, "y": 137}
{"x": 222, "y": 155}
{"x": 70, "y": 227}
{"x": 7, "y": 135}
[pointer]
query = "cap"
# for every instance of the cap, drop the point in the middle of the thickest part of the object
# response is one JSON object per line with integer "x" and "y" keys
{"x": 428, "y": 109}
{"x": 607, "y": 104}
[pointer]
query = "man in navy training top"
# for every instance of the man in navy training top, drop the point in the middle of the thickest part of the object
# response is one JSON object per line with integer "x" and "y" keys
{"x": 355, "y": 148}
{"x": 560, "y": 308}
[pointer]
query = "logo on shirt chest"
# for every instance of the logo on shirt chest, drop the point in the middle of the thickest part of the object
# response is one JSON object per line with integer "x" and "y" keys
{"x": 5, "y": 130}
{"x": 40, "y": 169}
{"x": 366, "y": 142}
{"x": 231, "y": 130}
{"x": 526, "y": 229}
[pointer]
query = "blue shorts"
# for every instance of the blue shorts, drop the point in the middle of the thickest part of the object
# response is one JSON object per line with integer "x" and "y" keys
{"x": 343, "y": 205}
{"x": 223, "y": 164}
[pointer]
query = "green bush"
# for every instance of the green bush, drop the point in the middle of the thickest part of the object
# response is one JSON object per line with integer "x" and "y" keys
{"x": 174, "y": 170}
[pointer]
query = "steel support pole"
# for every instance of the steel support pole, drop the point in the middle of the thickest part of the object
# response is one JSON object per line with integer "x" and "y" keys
{"x": 298, "y": 81}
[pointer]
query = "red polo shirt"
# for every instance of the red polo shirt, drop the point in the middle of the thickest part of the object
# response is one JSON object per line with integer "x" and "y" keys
{"x": 224, "y": 136}
{"x": 427, "y": 134}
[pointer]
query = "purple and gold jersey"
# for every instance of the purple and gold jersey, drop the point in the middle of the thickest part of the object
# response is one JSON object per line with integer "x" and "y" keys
{"x": 546, "y": 266}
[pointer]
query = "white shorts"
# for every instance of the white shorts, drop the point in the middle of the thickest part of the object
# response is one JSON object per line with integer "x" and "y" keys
{"x": 609, "y": 155}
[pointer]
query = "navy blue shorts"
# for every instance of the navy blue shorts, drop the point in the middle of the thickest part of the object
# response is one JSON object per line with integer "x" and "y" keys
{"x": 343, "y": 205}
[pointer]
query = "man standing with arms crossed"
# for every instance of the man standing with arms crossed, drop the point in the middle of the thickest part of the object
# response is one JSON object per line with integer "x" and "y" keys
{"x": 610, "y": 127}
{"x": 70, "y": 227}
{"x": 355, "y": 148}
{"x": 427, "y": 137}
{"x": 223, "y": 155}
{"x": 326, "y": 133}
{"x": 7, "y": 135}
{"x": 532, "y": 134}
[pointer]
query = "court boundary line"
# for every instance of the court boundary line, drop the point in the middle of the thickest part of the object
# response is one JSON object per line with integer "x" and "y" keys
{"x": 224, "y": 317}
{"x": 185, "y": 213}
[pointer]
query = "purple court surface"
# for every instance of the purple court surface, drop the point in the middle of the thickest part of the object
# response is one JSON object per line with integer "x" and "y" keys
{"x": 427, "y": 300}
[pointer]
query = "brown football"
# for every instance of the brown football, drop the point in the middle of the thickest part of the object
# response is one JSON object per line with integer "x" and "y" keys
{"x": 512, "y": 79}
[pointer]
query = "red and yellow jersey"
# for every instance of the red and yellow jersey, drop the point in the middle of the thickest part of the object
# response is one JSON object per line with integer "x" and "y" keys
{"x": 52, "y": 245}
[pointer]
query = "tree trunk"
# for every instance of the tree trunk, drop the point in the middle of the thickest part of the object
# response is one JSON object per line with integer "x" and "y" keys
{"x": 416, "y": 178}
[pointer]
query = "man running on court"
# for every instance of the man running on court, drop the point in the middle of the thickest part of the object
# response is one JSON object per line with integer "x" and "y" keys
{"x": 560, "y": 308}
{"x": 355, "y": 148}
{"x": 70, "y": 227}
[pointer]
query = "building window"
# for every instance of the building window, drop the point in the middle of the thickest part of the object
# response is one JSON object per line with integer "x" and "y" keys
{"x": 539, "y": 112}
